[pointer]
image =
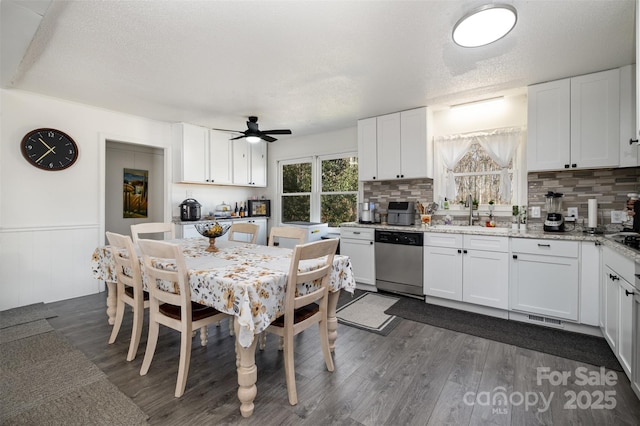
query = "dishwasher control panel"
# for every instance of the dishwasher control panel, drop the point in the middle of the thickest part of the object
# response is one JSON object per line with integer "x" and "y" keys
{"x": 398, "y": 237}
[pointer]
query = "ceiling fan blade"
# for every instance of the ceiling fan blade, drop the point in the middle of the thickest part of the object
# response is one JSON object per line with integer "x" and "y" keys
{"x": 227, "y": 130}
{"x": 267, "y": 138}
{"x": 277, "y": 132}
{"x": 237, "y": 137}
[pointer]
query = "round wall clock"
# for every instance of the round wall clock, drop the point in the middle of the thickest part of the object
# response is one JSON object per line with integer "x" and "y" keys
{"x": 49, "y": 149}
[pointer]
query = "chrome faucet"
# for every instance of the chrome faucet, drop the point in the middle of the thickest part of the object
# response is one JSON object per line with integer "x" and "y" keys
{"x": 470, "y": 204}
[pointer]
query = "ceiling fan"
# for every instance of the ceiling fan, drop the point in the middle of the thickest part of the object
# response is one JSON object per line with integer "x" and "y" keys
{"x": 253, "y": 134}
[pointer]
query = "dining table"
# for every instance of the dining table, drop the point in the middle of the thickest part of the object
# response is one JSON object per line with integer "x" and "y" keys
{"x": 245, "y": 280}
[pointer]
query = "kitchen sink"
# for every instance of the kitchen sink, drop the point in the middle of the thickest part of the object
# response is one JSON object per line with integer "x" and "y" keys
{"x": 474, "y": 228}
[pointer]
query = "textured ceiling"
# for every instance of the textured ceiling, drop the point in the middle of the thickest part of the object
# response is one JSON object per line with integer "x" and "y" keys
{"x": 310, "y": 66}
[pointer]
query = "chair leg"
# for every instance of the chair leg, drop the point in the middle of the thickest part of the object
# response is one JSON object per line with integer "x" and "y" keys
{"x": 324, "y": 342}
{"x": 232, "y": 332}
{"x": 204, "y": 333}
{"x": 138, "y": 316}
{"x": 183, "y": 367}
{"x": 152, "y": 341}
{"x": 289, "y": 371}
{"x": 118, "y": 321}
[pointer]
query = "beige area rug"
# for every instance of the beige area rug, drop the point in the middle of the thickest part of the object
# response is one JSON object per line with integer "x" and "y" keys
{"x": 44, "y": 380}
{"x": 367, "y": 312}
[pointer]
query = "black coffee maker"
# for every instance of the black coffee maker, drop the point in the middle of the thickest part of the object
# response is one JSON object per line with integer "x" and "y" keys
{"x": 190, "y": 210}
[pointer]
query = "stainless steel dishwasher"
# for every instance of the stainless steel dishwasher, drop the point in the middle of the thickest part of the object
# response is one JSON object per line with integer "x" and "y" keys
{"x": 399, "y": 262}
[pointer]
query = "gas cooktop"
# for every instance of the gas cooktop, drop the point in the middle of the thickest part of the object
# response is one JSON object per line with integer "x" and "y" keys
{"x": 629, "y": 239}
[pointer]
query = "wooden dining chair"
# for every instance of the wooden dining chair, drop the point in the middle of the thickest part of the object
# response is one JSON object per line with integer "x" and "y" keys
{"x": 167, "y": 229}
{"x": 301, "y": 312}
{"x": 164, "y": 261}
{"x": 289, "y": 232}
{"x": 244, "y": 228}
{"x": 129, "y": 289}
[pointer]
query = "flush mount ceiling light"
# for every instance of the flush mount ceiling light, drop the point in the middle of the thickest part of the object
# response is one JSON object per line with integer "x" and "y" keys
{"x": 484, "y": 25}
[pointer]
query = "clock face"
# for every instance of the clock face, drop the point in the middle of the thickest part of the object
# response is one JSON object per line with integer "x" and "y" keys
{"x": 49, "y": 149}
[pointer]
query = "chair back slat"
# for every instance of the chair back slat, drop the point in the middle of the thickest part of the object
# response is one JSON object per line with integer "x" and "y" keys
{"x": 157, "y": 257}
{"x": 244, "y": 228}
{"x": 288, "y": 232}
{"x": 323, "y": 252}
{"x": 167, "y": 229}
{"x": 126, "y": 259}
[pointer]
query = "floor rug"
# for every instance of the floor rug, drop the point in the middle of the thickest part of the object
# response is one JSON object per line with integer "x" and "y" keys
{"x": 576, "y": 346}
{"x": 366, "y": 311}
{"x": 45, "y": 380}
{"x": 25, "y": 314}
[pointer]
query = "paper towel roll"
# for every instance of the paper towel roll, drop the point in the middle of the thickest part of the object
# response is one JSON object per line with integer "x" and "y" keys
{"x": 592, "y": 221}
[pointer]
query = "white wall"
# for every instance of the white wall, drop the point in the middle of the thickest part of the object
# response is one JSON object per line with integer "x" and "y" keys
{"x": 50, "y": 222}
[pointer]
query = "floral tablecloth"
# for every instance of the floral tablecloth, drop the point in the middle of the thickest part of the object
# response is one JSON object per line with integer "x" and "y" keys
{"x": 245, "y": 280}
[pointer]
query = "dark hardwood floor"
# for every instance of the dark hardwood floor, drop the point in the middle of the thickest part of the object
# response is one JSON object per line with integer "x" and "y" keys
{"x": 417, "y": 375}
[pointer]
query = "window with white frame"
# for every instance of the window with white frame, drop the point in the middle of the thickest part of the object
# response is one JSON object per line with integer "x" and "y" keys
{"x": 486, "y": 165}
{"x": 319, "y": 189}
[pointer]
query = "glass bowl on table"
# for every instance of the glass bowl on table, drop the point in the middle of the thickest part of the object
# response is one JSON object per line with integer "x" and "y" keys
{"x": 212, "y": 230}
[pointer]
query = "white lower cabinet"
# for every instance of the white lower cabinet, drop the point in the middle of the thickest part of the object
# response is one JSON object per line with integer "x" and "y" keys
{"x": 544, "y": 277}
{"x": 468, "y": 268}
{"x": 190, "y": 231}
{"x": 635, "y": 364}
{"x": 618, "y": 329}
{"x": 358, "y": 244}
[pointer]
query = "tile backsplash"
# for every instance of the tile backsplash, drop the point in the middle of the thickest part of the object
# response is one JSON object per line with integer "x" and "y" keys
{"x": 609, "y": 186}
{"x": 381, "y": 192}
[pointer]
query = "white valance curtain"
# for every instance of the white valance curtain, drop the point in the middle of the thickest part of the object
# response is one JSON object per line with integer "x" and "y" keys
{"x": 452, "y": 149}
{"x": 500, "y": 144}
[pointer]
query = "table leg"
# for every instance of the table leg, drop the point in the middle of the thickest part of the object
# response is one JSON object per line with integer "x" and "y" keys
{"x": 111, "y": 301}
{"x": 332, "y": 321}
{"x": 247, "y": 373}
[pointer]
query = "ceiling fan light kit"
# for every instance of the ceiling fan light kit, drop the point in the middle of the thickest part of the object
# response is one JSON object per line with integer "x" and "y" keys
{"x": 484, "y": 25}
{"x": 253, "y": 134}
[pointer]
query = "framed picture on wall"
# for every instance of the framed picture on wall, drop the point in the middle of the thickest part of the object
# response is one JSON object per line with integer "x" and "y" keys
{"x": 135, "y": 191}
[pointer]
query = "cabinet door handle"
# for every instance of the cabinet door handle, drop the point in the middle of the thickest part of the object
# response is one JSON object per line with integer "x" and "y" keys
{"x": 397, "y": 176}
{"x": 459, "y": 251}
{"x": 544, "y": 245}
{"x": 574, "y": 165}
{"x": 515, "y": 256}
{"x": 374, "y": 178}
{"x": 632, "y": 141}
{"x": 370, "y": 242}
{"x": 356, "y": 232}
{"x": 566, "y": 166}
{"x": 464, "y": 251}
{"x": 629, "y": 293}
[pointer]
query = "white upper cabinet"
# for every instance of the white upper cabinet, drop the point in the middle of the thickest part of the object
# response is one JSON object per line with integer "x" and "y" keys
{"x": 249, "y": 163}
{"x": 367, "y": 149}
{"x": 628, "y": 131}
{"x": 219, "y": 157}
{"x": 192, "y": 148}
{"x": 574, "y": 123}
{"x": 416, "y": 159}
{"x": 209, "y": 156}
{"x": 388, "y": 127}
{"x": 395, "y": 146}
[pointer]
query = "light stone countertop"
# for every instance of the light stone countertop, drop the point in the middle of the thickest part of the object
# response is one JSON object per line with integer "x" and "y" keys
{"x": 207, "y": 219}
{"x": 539, "y": 234}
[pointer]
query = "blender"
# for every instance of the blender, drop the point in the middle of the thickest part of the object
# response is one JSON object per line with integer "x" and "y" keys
{"x": 555, "y": 220}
